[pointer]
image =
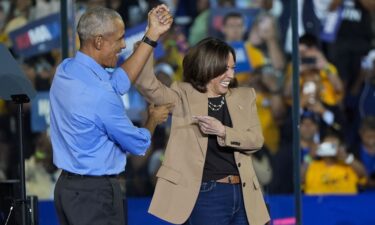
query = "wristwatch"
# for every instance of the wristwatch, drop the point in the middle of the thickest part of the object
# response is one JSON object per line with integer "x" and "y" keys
{"x": 150, "y": 42}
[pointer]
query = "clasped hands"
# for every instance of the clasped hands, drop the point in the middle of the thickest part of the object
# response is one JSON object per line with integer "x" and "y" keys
{"x": 159, "y": 22}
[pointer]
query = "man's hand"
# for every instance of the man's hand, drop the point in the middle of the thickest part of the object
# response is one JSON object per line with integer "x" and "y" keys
{"x": 210, "y": 125}
{"x": 159, "y": 114}
{"x": 159, "y": 22}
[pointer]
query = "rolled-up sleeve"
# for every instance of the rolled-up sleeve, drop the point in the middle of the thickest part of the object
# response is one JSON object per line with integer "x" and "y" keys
{"x": 120, "y": 81}
{"x": 119, "y": 128}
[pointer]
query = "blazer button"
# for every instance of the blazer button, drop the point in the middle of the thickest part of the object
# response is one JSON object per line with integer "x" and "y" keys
{"x": 243, "y": 184}
{"x": 239, "y": 164}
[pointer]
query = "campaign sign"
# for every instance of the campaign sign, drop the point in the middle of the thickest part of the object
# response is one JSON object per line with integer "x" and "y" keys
{"x": 134, "y": 34}
{"x": 40, "y": 108}
{"x": 242, "y": 59}
{"x": 37, "y": 37}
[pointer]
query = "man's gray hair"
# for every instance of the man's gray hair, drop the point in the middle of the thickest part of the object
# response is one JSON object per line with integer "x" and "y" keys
{"x": 96, "y": 21}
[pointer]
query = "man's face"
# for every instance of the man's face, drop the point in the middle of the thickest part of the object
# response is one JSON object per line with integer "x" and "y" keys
{"x": 233, "y": 29}
{"x": 308, "y": 129}
{"x": 113, "y": 43}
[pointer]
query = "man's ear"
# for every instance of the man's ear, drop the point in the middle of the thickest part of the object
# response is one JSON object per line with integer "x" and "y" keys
{"x": 98, "y": 42}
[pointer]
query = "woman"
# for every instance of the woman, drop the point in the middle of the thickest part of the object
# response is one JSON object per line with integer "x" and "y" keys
{"x": 207, "y": 176}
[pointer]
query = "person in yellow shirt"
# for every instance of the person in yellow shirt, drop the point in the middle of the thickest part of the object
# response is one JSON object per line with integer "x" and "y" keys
{"x": 334, "y": 171}
{"x": 332, "y": 90}
{"x": 270, "y": 104}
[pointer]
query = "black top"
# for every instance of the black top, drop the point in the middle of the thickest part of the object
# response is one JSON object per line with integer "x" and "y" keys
{"x": 219, "y": 160}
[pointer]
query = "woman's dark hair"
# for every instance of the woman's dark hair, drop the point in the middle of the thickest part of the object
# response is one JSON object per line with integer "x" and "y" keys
{"x": 205, "y": 61}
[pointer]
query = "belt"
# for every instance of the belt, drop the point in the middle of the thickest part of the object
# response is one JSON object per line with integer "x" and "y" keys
{"x": 230, "y": 179}
{"x": 70, "y": 174}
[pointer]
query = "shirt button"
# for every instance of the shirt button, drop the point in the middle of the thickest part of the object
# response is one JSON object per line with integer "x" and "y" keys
{"x": 243, "y": 184}
{"x": 239, "y": 164}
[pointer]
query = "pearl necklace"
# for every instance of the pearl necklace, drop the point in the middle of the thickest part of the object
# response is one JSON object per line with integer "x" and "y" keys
{"x": 215, "y": 107}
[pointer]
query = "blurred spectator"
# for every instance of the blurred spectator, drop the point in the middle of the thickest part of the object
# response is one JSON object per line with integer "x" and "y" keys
{"x": 28, "y": 68}
{"x": 234, "y": 31}
{"x": 361, "y": 99}
{"x": 270, "y": 104}
{"x": 309, "y": 128}
{"x": 353, "y": 38}
{"x": 264, "y": 34}
{"x": 367, "y": 93}
{"x": 365, "y": 149}
{"x": 310, "y": 15}
{"x": 17, "y": 17}
{"x": 175, "y": 45}
{"x": 313, "y": 58}
{"x": 43, "y": 8}
{"x": 199, "y": 28}
{"x": 44, "y": 74}
{"x": 134, "y": 11}
{"x": 321, "y": 87}
{"x": 282, "y": 182}
{"x": 40, "y": 172}
{"x": 333, "y": 171}
{"x": 310, "y": 96}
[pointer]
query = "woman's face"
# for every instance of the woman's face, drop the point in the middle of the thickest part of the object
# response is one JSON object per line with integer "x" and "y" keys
{"x": 219, "y": 85}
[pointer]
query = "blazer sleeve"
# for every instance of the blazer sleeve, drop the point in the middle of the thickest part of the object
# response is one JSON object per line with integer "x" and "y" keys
{"x": 152, "y": 89}
{"x": 249, "y": 139}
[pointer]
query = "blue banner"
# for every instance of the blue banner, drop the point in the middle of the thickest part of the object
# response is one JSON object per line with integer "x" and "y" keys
{"x": 37, "y": 37}
{"x": 40, "y": 108}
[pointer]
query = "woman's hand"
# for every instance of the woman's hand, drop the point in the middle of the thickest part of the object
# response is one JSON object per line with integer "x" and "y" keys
{"x": 210, "y": 125}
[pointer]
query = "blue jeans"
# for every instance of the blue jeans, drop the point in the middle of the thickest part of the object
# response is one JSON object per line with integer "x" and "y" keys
{"x": 219, "y": 204}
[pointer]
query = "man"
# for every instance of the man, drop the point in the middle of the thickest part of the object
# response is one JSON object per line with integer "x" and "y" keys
{"x": 248, "y": 57}
{"x": 90, "y": 131}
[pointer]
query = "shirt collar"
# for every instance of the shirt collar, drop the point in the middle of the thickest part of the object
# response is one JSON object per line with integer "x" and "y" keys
{"x": 95, "y": 67}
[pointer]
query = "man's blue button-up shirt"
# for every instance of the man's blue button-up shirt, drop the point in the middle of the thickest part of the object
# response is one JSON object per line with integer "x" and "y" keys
{"x": 90, "y": 130}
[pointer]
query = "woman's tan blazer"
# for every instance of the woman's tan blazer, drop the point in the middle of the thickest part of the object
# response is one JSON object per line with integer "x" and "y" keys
{"x": 180, "y": 175}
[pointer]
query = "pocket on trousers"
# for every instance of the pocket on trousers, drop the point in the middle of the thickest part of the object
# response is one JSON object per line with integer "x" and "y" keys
{"x": 207, "y": 186}
{"x": 169, "y": 174}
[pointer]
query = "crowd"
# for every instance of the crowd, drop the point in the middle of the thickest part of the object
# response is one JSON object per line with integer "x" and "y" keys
{"x": 337, "y": 88}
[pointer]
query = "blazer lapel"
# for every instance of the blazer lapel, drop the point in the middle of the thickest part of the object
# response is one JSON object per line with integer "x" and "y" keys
{"x": 198, "y": 104}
